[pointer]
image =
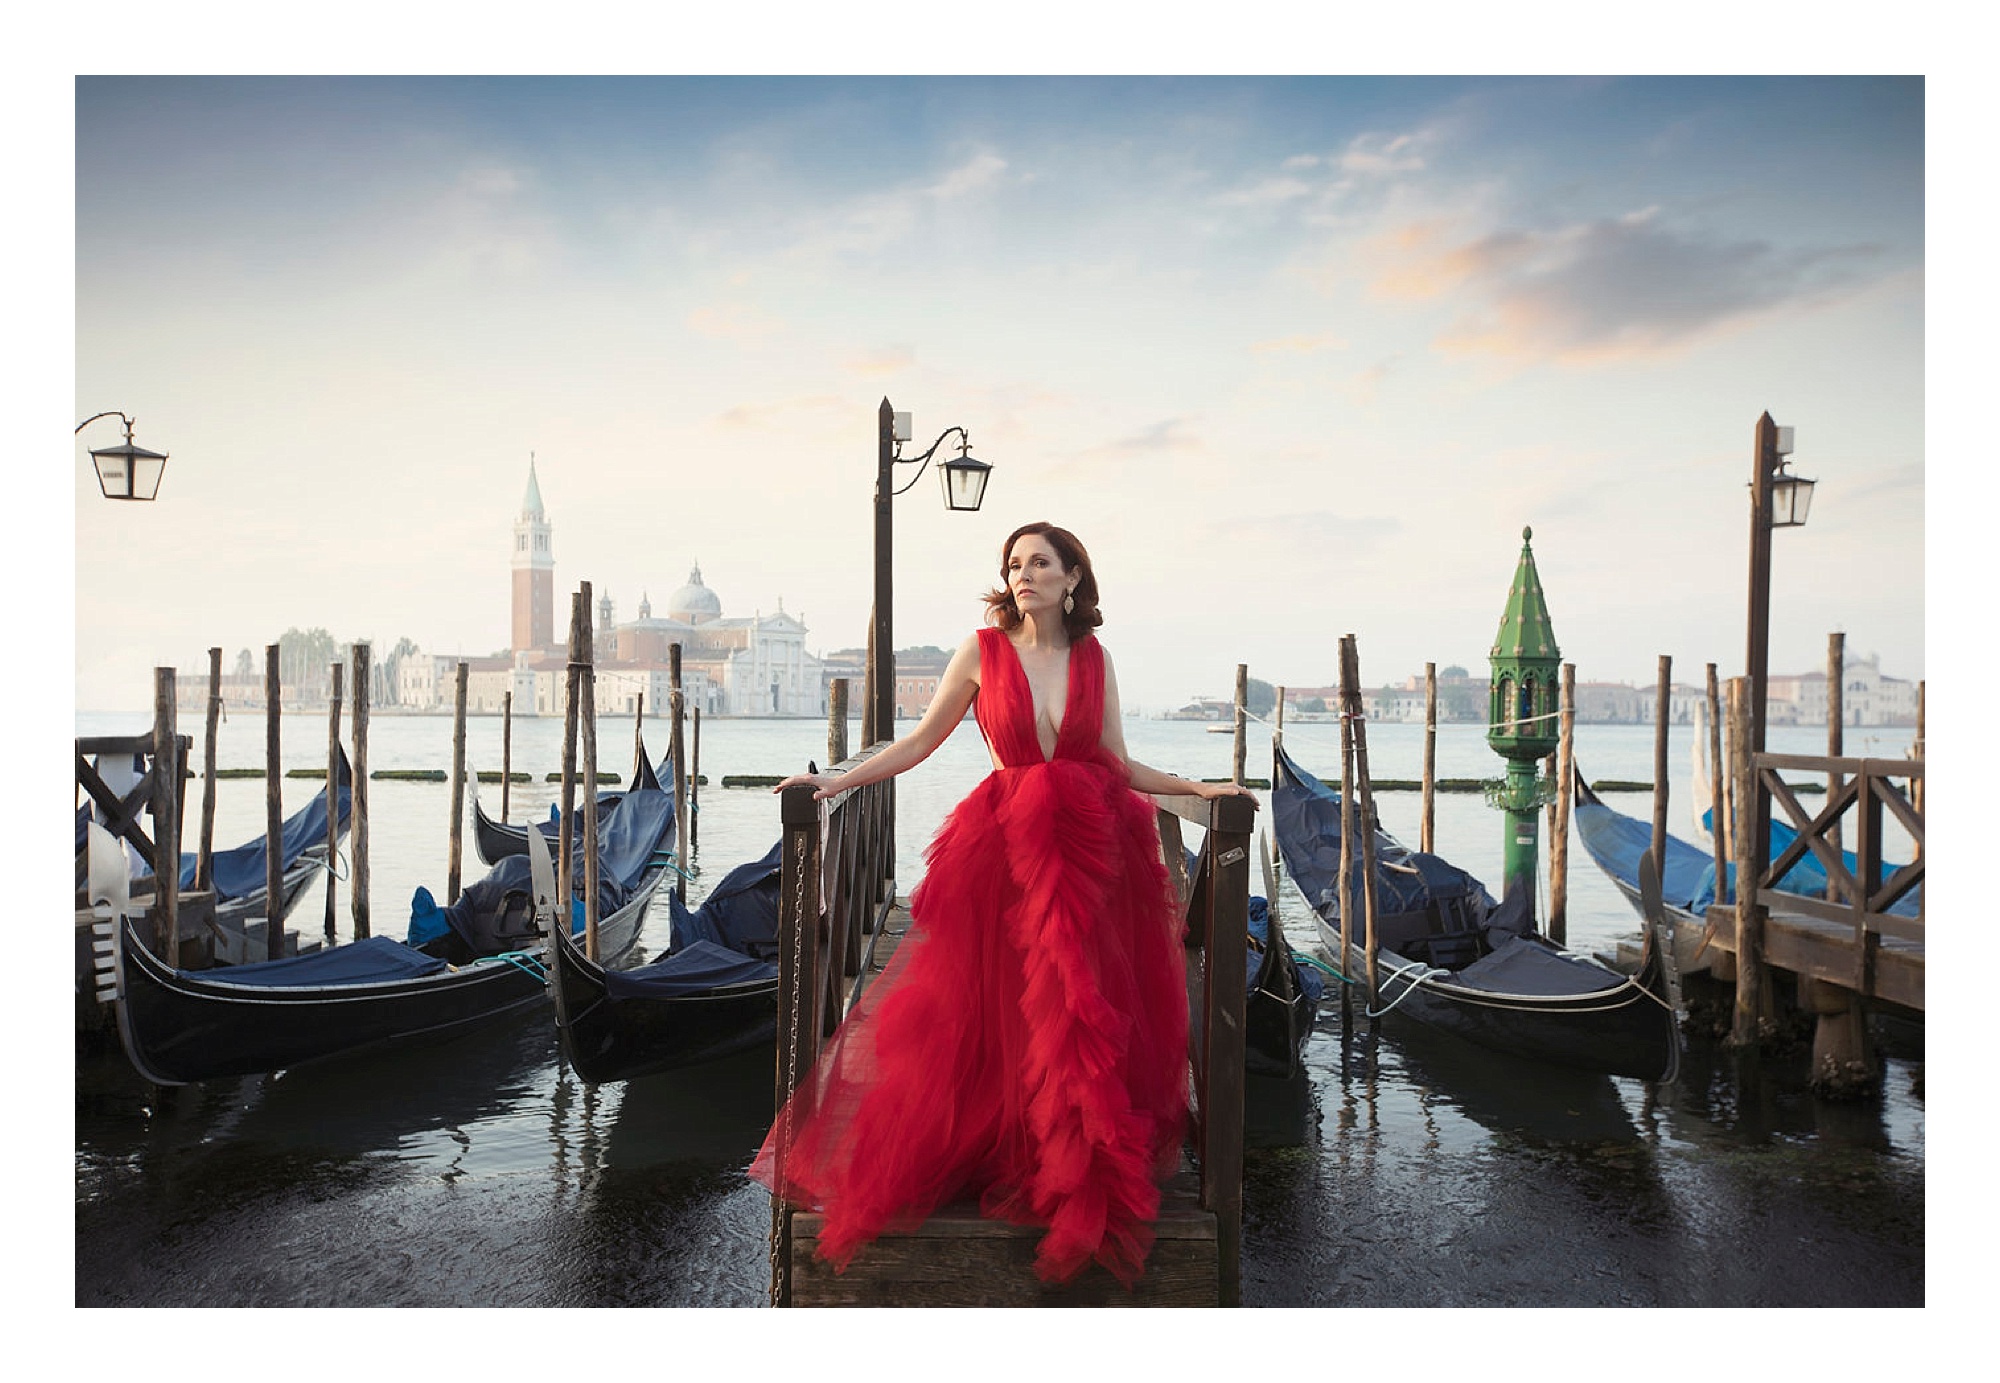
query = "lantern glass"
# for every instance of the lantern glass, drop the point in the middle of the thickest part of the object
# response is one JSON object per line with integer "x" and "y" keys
{"x": 129, "y": 472}
{"x": 964, "y": 482}
{"x": 1791, "y": 500}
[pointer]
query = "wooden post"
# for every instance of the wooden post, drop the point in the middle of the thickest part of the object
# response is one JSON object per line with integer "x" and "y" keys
{"x": 1718, "y": 815}
{"x": 579, "y": 602}
{"x": 586, "y": 680}
{"x": 694, "y": 789}
{"x": 455, "y": 846}
{"x": 1836, "y": 721}
{"x": 166, "y": 818}
{"x": 204, "y": 867}
{"x": 1746, "y": 1028}
{"x": 1242, "y": 709}
{"x": 1662, "y": 704}
{"x": 1350, "y": 678}
{"x": 1426, "y": 838}
{"x": 274, "y": 809}
{"x": 358, "y": 832}
{"x": 332, "y": 789}
{"x": 1278, "y": 728}
{"x": 836, "y": 722}
{"x": 677, "y": 703}
{"x": 1917, "y": 784}
{"x": 506, "y": 749}
{"x": 1346, "y": 840}
{"x": 1565, "y": 791}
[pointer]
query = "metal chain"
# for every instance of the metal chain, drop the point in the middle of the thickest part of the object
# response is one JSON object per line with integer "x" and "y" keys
{"x": 780, "y": 1267}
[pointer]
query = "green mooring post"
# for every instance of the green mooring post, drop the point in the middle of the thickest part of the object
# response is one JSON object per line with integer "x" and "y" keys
{"x": 1522, "y": 724}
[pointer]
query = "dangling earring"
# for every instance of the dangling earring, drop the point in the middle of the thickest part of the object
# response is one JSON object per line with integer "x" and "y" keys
{"x": 1069, "y": 602}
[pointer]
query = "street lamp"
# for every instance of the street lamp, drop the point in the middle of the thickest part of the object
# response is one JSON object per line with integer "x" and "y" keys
{"x": 963, "y": 480}
{"x": 127, "y": 472}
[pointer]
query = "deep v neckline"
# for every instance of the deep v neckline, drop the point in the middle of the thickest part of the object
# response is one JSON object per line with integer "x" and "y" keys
{"x": 1028, "y": 687}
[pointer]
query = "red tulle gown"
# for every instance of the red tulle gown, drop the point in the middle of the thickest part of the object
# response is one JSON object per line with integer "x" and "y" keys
{"x": 1028, "y": 1044}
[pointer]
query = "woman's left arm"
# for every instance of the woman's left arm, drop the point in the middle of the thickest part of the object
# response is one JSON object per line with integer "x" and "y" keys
{"x": 1147, "y": 779}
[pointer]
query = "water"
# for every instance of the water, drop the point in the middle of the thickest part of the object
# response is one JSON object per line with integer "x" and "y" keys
{"x": 1402, "y": 1170}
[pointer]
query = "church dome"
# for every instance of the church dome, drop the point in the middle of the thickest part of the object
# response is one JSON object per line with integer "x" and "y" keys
{"x": 694, "y": 603}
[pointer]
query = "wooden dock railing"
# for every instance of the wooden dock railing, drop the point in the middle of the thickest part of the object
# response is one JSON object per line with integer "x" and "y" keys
{"x": 838, "y": 882}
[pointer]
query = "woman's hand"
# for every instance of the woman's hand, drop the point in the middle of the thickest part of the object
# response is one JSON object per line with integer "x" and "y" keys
{"x": 1208, "y": 792}
{"x": 824, "y": 785}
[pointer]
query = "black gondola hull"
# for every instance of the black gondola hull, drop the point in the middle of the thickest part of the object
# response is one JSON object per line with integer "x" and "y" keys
{"x": 181, "y": 1026}
{"x": 1622, "y": 1031}
{"x": 606, "y": 1038}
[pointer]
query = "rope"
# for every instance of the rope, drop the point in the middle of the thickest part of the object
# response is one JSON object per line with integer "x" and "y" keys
{"x": 329, "y": 866}
{"x": 525, "y": 963}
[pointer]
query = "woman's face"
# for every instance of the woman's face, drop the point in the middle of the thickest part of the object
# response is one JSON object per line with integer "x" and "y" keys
{"x": 1036, "y": 576}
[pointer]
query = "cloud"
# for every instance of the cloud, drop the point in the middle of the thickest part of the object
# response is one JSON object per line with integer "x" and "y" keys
{"x": 790, "y": 412}
{"x": 733, "y": 322}
{"x": 1269, "y": 192}
{"x": 885, "y": 360}
{"x": 1378, "y": 155}
{"x": 978, "y": 172}
{"x": 1612, "y": 288}
{"x": 1298, "y": 344}
{"x": 1171, "y": 434}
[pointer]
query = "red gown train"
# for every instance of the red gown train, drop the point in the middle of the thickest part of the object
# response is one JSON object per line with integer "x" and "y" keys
{"x": 1028, "y": 1044}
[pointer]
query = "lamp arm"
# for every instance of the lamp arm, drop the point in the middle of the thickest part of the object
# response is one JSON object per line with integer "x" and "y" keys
{"x": 922, "y": 460}
{"x": 129, "y": 422}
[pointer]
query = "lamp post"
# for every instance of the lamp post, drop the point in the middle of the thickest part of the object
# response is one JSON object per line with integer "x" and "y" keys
{"x": 1777, "y": 500}
{"x": 127, "y": 472}
{"x": 963, "y": 479}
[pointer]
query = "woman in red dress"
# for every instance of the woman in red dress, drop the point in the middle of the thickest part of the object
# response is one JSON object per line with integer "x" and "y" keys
{"x": 1028, "y": 1044}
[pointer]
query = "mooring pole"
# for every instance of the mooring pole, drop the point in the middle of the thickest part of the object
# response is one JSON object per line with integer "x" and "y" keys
{"x": 506, "y": 750}
{"x": 1565, "y": 792}
{"x": 587, "y": 711}
{"x": 1426, "y": 837}
{"x": 694, "y": 789}
{"x": 836, "y": 722}
{"x": 1350, "y": 676}
{"x": 457, "y": 780}
{"x": 358, "y": 832}
{"x": 1236, "y": 761}
{"x": 1346, "y": 839}
{"x": 274, "y": 809}
{"x": 579, "y": 604}
{"x": 1836, "y": 720}
{"x": 1718, "y": 772}
{"x": 332, "y": 789}
{"x": 166, "y": 817}
{"x": 1747, "y": 1024}
{"x": 1662, "y": 715}
{"x": 204, "y": 867}
{"x": 678, "y": 702}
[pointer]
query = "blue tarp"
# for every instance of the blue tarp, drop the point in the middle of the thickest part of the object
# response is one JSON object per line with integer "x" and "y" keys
{"x": 740, "y": 914}
{"x": 699, "y": 968}
{"x": 1616, "y": 841}
{"x": 370, "y": 960}
{"x": 238, "y": 873}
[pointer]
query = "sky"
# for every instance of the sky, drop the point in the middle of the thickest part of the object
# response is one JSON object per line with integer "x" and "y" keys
{"x": 1295, "y": 357}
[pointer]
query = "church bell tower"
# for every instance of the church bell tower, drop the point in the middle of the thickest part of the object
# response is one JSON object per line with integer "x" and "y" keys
{"x": 534, "y": 573}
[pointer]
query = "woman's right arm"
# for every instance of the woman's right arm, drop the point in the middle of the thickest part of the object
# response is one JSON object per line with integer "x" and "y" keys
{"x": 956, "y": 689}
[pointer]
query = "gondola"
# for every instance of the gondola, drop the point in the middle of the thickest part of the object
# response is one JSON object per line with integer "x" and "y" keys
{"x": 238, "y": 875}
{"x": 1615, "y": 841}
{"x": 1450, "y": 957}
{"x": 474, "y": 960}
{"x": 714, "y": 993}
{"x": 496, "y": 840}
{"x": 1282, "y": 995}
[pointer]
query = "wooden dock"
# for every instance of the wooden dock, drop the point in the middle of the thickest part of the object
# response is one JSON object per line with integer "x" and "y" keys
{"x": 959, "y": 1257}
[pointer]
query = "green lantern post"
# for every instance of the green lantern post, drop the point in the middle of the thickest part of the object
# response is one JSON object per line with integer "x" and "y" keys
{"x": 1521, "y": 719}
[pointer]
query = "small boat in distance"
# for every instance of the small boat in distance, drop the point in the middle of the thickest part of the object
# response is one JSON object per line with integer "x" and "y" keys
{"x": 1452, "y": 958}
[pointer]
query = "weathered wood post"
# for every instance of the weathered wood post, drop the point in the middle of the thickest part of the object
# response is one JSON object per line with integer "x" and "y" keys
{"x": 456, "y": 846}
{"x": 166, "y": 817}
{"x": 694, "y": 788}
{"x": 586, "y": 685}
{"x": 1836, "y": 721}
{"x": 1346, "y": 842}
{"x": 1242, "y": 709}
{"x": 506, "y": 749}
{"x": 579, "y": 604}
{"x": 274, "y": 812}
{"x": 1917, "y": 753}
{"x": 677, "y": 701}
{"x": 332, "y": 789}
{"x": 1350, "y": 676}
{"x": 1747, "y": 1025}
{"x": 1718, "y": 816}
{"x": 1662, "y": 716}
{"x": 358, "y": 832}
{"x": 204, "y": 866}
{"x": 1565, "y": 792}
{"x": 1426, "y": 836}
{"x": 836, "y": 722}
{"x": 1278, "y": 725}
